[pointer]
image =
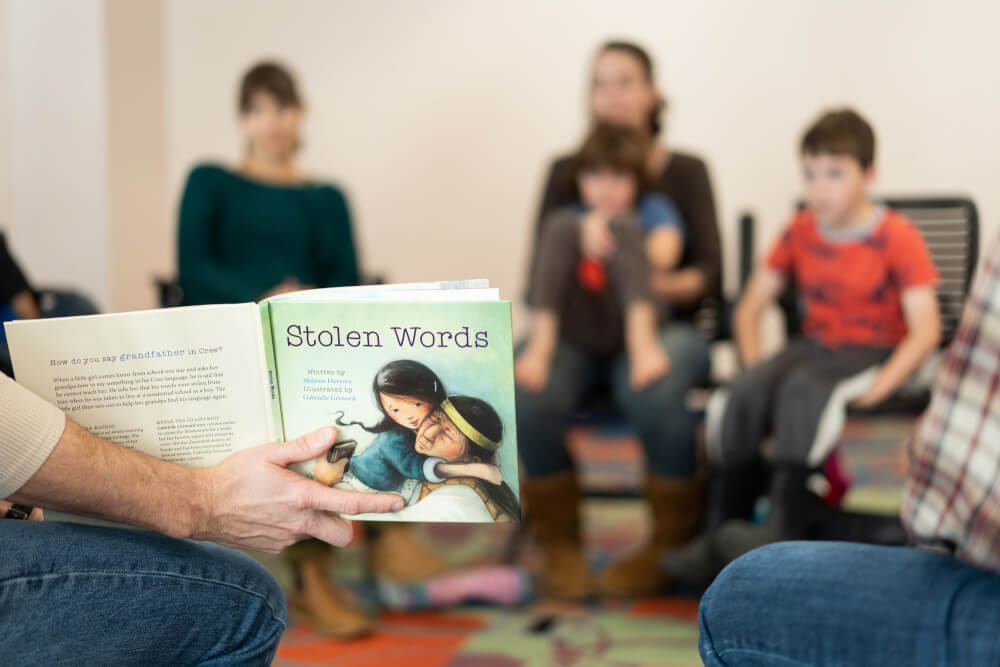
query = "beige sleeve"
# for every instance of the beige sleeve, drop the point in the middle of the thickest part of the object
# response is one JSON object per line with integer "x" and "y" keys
{"x": 30, "y": 427}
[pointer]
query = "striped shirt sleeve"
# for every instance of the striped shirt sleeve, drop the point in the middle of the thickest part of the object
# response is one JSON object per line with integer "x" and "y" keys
{"x": 30, "y": 427}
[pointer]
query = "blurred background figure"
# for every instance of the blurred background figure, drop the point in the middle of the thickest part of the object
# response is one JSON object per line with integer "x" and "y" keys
{"x": 445, "y": 135}
{"x": 263, "y": 227}
{"x": 19, "y": 301}
{"x": 260, "y": 229}
{"x": 623, "y": 91}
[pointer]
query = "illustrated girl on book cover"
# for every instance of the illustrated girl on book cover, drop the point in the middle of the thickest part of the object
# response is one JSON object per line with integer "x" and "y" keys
{"x": 406, "y": 392}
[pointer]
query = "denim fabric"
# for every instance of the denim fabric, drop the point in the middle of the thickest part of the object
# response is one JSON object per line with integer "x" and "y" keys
{"x": 75, "y": 594}
{"x": 838, "y": 603}
{"x": 665, "y": 424}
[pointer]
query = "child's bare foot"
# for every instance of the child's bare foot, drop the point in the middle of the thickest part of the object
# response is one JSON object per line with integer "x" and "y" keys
{"x": 647, "y": 365}
{"x": 329, "y": 473}
{"x": 531, "y": 370}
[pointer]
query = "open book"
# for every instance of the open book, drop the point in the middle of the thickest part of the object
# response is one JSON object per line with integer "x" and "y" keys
{"x": 418, "y": 379}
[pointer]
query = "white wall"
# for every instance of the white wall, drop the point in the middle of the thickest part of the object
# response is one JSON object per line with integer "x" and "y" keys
{"x": 439, "y": 117}
{"x": 56, "y": 140}
{"x": 140, "y": 207}
{"x": 5, "y": 195}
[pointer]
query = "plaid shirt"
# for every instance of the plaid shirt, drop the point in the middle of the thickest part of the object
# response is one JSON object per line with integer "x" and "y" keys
{"x": 953, "y": 492}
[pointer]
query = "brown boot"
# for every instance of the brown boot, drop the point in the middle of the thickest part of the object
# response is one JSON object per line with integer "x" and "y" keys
{"x": 319, "y": 603}
{"x": 552, "y": 506}
{"x": 399, "y": 554}
{"x": 677, "y": 506}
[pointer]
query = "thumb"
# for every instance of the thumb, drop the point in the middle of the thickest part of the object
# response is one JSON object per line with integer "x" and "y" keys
{"x": 304, "y": 448}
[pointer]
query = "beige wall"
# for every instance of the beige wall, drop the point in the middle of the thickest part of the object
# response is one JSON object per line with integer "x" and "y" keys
{"x": 57, "y": 143}
{"x": 140, "y": 207}
{"x": 5, "y": 195}
{"x": 439, "y": 117}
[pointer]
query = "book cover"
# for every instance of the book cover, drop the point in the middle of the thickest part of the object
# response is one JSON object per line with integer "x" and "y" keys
{"x": 424, "y": 392}
{"x": 418, "y": 380}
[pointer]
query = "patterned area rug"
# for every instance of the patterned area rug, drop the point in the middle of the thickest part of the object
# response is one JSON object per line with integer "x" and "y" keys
{"x": 655, "y": 632}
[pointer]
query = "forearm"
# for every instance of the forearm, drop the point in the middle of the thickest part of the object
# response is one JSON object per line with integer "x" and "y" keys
{"x": 904, "y": 361}
{"x": 683, "y": 287}
{"x": 89, "y": 476}
{"x": 746, "y": 333}
{"x": 664, "y": 247}
{"x": 640, "y": 324}
{"x": 482, "y": 471}
{"x": 544, "y": 329}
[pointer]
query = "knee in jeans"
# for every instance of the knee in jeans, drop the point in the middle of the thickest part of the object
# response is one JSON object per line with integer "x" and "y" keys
{"x": 266, "y": 601}
{"x": 546, "y": 405}
{"x": 689, "y": 356}
{"x": 746, "y": 574}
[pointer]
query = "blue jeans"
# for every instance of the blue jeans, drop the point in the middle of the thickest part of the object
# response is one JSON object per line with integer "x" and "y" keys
{"x": 89, "y": 595}
{"x": 659, "y": 412}
{"x": 837, "y": 603}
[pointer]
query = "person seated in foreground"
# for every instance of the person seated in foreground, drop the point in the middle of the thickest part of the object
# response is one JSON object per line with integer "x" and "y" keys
{"x": 837, "y": 603}
{"x": 866, "y": 279}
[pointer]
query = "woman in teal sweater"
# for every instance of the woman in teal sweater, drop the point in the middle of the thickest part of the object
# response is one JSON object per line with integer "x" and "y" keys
{"x": 263, "y": 228}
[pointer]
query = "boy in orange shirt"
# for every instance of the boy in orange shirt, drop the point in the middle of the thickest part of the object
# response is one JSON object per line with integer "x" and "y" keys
{"x": 866, "y": 280}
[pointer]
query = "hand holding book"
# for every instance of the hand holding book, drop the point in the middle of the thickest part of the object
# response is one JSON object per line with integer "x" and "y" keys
{"x": 255, "y": 502}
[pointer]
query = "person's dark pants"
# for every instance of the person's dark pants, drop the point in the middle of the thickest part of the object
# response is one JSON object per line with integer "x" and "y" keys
{"x": 665, "y": 424}
{"x": 592, "y": 320}
{"x": 788, "y": 393}
{"x": 88, "y": 595}
{"x": 837, "y": 603}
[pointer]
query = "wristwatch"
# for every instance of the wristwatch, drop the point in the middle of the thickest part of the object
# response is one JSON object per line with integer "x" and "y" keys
{"x": 19, "y": 512}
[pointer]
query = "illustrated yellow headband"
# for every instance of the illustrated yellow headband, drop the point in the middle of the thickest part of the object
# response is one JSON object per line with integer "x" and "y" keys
{"x": 467, "y": 429}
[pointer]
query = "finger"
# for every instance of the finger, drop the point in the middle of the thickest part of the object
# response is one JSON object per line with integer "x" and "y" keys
{"x": 331, "y": 529}
{"x": 303, "y": 448}
{"x": 351, "y": 502}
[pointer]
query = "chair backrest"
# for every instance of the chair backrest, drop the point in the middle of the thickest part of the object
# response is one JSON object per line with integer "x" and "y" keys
{"x": 950, "y": 227}
{"x": 169, "y": 292}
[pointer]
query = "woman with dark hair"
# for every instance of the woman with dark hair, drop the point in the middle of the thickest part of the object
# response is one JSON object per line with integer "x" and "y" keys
{"x": 623, "y": 91}
{"x": 260, "y": 229}
{"x": 264, "y": 227}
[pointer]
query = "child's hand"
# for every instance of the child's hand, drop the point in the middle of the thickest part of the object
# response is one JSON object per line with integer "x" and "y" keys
{"x": 648, "y": 365}
{"x": 596, "y": 240}
{"x": 531, "y": 369}
{"x": 327, "y": 473}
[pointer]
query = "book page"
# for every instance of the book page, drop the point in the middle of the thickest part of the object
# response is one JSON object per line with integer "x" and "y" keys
{"x": 330, "y": 294}
{"x": 185, "y": 385}
{"x": 331, "y": 359}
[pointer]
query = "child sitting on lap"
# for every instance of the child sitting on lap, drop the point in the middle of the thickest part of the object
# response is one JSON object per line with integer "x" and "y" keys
{"x": 624, "y": 233}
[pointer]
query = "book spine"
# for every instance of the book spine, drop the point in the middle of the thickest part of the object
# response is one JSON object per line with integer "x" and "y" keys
{"x": 271, "y": 372}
